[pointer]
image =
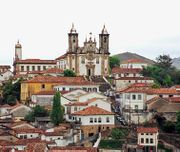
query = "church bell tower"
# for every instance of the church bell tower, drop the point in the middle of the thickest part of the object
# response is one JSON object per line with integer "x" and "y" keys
{"x": 104, "y": 41}
{"x": 73, "y": 40}
{"x": 18, "y": 51}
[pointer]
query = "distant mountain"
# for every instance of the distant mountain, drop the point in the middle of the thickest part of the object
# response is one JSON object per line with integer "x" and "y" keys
{"x": 128, "y": 55}
{"x": 176, "y": 62}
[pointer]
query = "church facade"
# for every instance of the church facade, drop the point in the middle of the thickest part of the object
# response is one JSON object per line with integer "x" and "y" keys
{"x": 88, "y": 60}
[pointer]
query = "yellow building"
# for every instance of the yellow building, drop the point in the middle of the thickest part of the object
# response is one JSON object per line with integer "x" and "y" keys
{"x": 47, "y": 83}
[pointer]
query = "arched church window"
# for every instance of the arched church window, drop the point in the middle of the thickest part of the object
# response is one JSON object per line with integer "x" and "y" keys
{"x": 82, "y": 60}
{"x": 105, "y": 39}
{"x": 97, "y": 60}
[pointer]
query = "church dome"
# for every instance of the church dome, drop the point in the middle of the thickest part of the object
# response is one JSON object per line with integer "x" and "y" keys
{"x": 18, "y": 45}
{"x": 104, "y": 30}
{"x": 73, "y": 30}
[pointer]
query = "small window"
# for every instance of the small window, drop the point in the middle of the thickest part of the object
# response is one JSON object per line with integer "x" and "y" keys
{"x": 79, "y": 119}
{"x": 95, "y": 119}
{"x": 142, "y": 133}
{"x": 151, "y": 140}
{"x": 147, "y": 140}
{"x": 136, "y": 107}
{"x": 33, "y": 68}
{"x": 96, "y": 105}
{"x": 63, "y": 88}
{"x": 74, "y": 40}
{"x": 139, "y": 97}
{"x": 73, "y": 69}
{"x": 43, "y": 86}
{"x": 147, "y": 134}
{"x": 134, "y": 97}
{"x": 39, "y": 68}
{"x": 142, "y": 140}
{"x": 107, "y": 119}
{"x": 44, "y": 67}
{"x": 22, "y": 68}
{"x": 75, "y": 108}
{"x": 27, "y": 68}
{"x": 170, "y": 95}
{"x": 91, "y": 120}
{"x": 99, "y": 119}
{"x": 129, "y": 81}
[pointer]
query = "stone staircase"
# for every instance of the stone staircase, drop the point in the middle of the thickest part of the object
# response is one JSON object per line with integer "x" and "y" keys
{"x": 104, "y": 85}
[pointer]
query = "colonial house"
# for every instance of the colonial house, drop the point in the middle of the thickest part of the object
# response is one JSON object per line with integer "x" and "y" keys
{"x": 47, "y": 83}
{"x": 148, "y": 138}
{"x": 32, "y": 133}
{"x": 94, "y": 120}
{"x": 118, "y": 72}
{"x": 23, "y": 66}
{"x": 72, "y": 107}
{"x": 18, "y": 111}
{"x": 124, "y": 82}
{"x": 51, "y": 71}
{"x": 167, "y": 107}
{"x": 87, "y": 60}
{"x": 4, "y": 68}
{"x": 133, "y": 63}
{"x": 133, "y": 101}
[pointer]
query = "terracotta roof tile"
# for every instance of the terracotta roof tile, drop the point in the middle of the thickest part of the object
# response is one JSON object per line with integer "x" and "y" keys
{"x": 133, "y": 61}
{"x": 53, "y": 70}
{"x": 126, "y": 70}
{"x": 35, "y": 61}
{"x": 73, "y": 149}
{"x": 61, "y": 57}
{"x": 134, "y": 78}
{"x": 52, "y": 92}
{"x": 79, "y": 80}
{"x": 173, "y": 99}
{"x": 32, "y": 130}
{"x": 147, "y": 130}
{"x": 93, "y": 110}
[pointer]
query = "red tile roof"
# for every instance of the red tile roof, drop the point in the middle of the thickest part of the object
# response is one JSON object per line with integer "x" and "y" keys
{"x": 173, "y": 99}
{"x": 76, "y": 104}
{"x": 32, "y": 130}
{"x": 126, "y": 70}
{"x": 168, "y": 91}
{"x": 133, "y": 61}
{"x": 134, "y": 78}
{"x": 147, "y": 130}
{"x": 73, "y": 149}
{"x": 53, "y": 70}
{"x": 52, "y": 92}
{"x": 93, "y": 110}
{"x": 79, "y": 80}
{"x": 35, "y": 61}
{"x": 61, "y": 57}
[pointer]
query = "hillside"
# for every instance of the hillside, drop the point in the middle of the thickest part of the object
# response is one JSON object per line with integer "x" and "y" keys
{"x": 128, "y": 55}
{"x": 176, "y": 62}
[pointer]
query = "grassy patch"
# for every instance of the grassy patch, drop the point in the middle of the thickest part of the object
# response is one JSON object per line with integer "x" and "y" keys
{"x": 119, "y": 133}
{"x": 110, "y": 144}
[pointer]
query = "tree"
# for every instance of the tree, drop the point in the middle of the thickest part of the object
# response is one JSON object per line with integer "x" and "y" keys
{"x": 164, "y": 61}
{"x": 57, "y": 111}
{"x": 11, "y": 92}
{"x": 69, "y": 73}
{"x": 37, "y": 111}
{"x": 178, "y": 122}
{"x": 114, "y": 61}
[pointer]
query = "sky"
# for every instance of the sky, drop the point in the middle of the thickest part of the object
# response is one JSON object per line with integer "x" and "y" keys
{"x": 146, "y": 27}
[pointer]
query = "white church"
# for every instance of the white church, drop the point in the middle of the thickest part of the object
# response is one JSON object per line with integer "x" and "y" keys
{"x": 88, "y": 60}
